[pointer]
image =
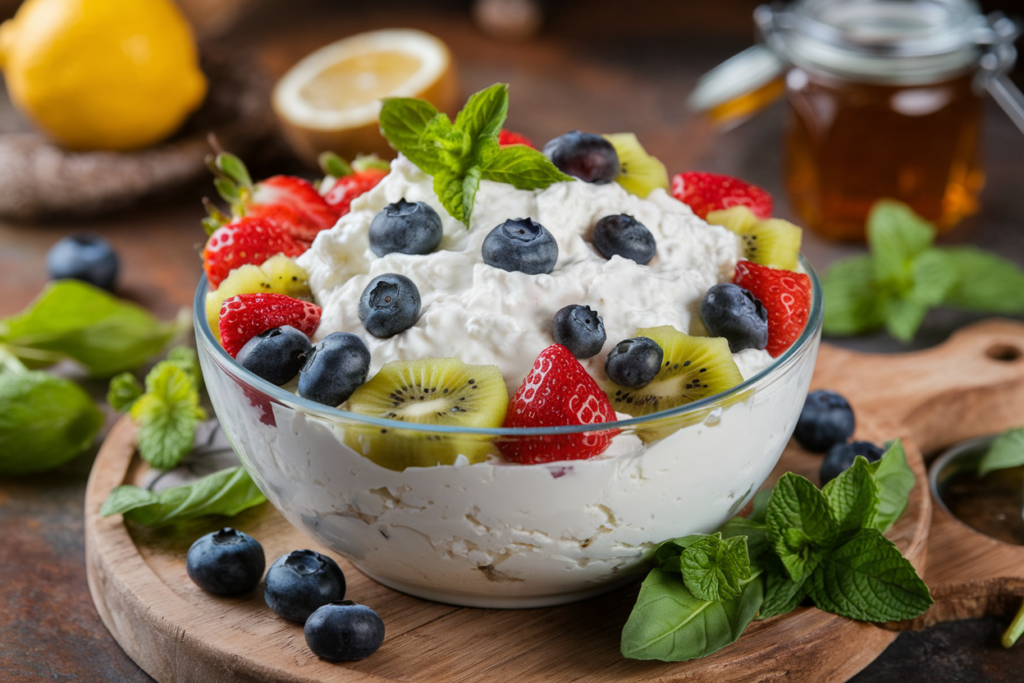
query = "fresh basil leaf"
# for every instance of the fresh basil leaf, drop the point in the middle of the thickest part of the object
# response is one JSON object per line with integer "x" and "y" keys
{"x": 868, "y": 579}
{"x": 853, "y": 303}
{"x": 985, "y": 282}
{"x": 714, "y": 568}
{"x": 853, "y": 497}
{"x": 227, "y": 493}
{"x": 782, "y": 594}
{"x": 895, "y": 481}
{"x": 800, "y": 525}
{"x": 756, "y": 534}
{"x": 484, "y": 112}
{"x": 1007, "y": 450}
{"x": 523, "y": 168}
{"x": 167, "y": 415}
{"x": 124, "y": 391}
{"x": 72, "y": 319}
{"x": 44, "y": 421}
{"x": 903, "y": 317}
{"x": 669, "y": 624}
{"x": 403, "y": 121}
{"x": 896, "y": 236}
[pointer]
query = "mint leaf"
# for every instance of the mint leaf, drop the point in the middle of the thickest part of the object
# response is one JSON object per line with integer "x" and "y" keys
{"x": 124, "y": 391}
{"x": 227, "y": 493}
{"x": 403, "y": 121}
{"x": 853, "y": 497}
{"x": 714, "y": 568}
{"x": 895, "y": 481}
{"x": 853, "y": 303}
{"x": 759, "y": 513}
{"x": 457, "y": 192}
{"x": 800, "y": 525}
{"x": 669, "y": 624}
{"x": 523, "y": 168}
{"x": 868, "y": 579}
{"x": 934, "y": 276}
{"x": 484, "y": 112}
{"x": 72, "y": 319}
{"x": 896, "y": 236}
{"x": 1006, "y": 451}
{"x": 756, "y": 534}
{"x": 985, "y": 282}
{"x": 186, "y": 358}
{"x": 666, "y": 555}
{"x": 44, "y": 421}
{"x": 903, "y": 317}
{"x": 782, "y": 594}
{"x": 167, "y": 415}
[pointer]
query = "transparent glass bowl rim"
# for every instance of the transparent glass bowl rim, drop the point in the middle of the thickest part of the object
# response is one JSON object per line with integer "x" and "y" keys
{"x": 776, "y": 369}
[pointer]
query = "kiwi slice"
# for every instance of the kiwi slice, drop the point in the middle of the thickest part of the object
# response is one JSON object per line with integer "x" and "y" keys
{"x": 772, "y": 242}
{"x": 693, "y": 368}
{"x": 639, "y": 172}
{"x": 437, "y": 391}
{"x": 278, "y": 275}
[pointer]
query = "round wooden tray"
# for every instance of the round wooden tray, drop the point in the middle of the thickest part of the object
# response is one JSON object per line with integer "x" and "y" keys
{"x": 178, "y": 633}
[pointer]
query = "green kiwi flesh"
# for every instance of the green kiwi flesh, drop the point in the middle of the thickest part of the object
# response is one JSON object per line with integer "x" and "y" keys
{"x": 437, "y": 391}
{"x": 639, "y": 172}
{"x": 772, "y": 242}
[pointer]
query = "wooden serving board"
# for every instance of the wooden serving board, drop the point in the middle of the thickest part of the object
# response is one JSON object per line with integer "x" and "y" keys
{"x": 972, "y": 385}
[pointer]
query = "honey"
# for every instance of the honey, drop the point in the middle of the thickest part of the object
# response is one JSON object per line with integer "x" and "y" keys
{"x": 849, "y": 144}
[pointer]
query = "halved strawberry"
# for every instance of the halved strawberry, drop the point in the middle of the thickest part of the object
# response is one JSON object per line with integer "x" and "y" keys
{"x": 786, "y": 296}
{"x": 348, "y": 187}
{"x": 244, "y": 316}
{"x": 558, "y": 391}
{"x": 245, "y": 240}
{"x": 706, "y": 192}
{"x": 508, "y": 137}
{"x": 288, "y": 202}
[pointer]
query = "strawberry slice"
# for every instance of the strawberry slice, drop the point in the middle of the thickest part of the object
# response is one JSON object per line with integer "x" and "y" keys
{"x": 244, "y": 316}
{"x": 508, "y": 137}
{"x": 245, "y": 240}
{"x": 786, "y": 296}
{"x": 706, "y": 192}
{"x": 348, "y": 187}
{"x": 558, "y": 391}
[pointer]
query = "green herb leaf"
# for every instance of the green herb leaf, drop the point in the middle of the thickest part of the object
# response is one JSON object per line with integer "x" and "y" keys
{"x": 404, "y": 121}
{"x": 227, "y": 493}
{"x": 868, "y": 579}
{"x": 759, "y": 513}
{"x": 756, "y": 534}
{"x": 1007, "y": 450}
{"x": 985, "y": 282}
{"x": 669, "y": 624}
{"x": 896, "y": 236}
{"x": 903, "y": 317}
{"x": 167, "y": 415}
{"x": 853, "y": 497}
{"x": 72, "y": 319}
{"x": 484, "y": 112}
{"x": 714, "y": 568}
{"x": 44, "y": 421}
{"x": 853, "y": 302}
{"x": 782, "y": 594}
{"x": 800, "y": 525}
{"x": 895, "y": 481}
{"x": 333, "y": 165}
{"x": 124, "y": 391}
{"x": 666, "y": 555}
{"x": 185, "y": 357}
{"x": 457, "y": 192}
{"x": 523, "y": 168}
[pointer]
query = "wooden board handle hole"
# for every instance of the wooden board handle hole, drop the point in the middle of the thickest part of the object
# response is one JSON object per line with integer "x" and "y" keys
{"x": 1006, "y": 353}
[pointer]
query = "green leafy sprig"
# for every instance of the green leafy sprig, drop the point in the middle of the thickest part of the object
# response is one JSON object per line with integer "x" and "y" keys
{"x": 166, "y": 410}
{"x": 799, "y": 543}
{"x": 461, "y": 154}
{"x": 905, "y": 276}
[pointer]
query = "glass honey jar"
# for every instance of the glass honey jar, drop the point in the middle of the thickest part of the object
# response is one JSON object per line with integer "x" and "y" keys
{"x": 885, "y": 100}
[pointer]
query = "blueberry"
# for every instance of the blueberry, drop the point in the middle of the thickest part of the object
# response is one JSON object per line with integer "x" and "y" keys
{"x": 390, "y": 304}
{"x": 625, "y": 236}
{"x": 226, "y": 562}
{"x": 732, "y": 312}
{"x": 406, "y": 228}
{"x": 520, "y": 244}
{"x": 300, "y": 582}
{"x": 85, "y": 257}
{"x": 634, "y": 362}
{"x": 586, "y": 156}
{"x": 841, "y": 456}
{"x": 826, "y": 419}
{"x": 579, "y": 329}
{"x": 276, "y": 354}
{"x": 343, "y": 631}
{"x": 334, "y": 369}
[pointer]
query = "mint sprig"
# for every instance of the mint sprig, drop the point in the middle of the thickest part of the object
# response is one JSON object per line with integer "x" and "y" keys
{"x": 1007, "y": 450}
{"x": 461, "y": 154}
{"x": 905, "y": 276}
{"x": 800, "y": 543}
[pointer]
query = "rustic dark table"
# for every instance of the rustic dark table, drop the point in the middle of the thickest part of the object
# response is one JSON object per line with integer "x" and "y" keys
{"x": 585, "y": 71}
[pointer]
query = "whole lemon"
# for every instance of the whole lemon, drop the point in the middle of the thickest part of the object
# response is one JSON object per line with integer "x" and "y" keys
{"x": 102, "y": 74}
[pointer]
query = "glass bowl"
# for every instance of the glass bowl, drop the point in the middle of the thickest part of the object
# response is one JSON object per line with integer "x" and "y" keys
{"x": 503, "y": 535}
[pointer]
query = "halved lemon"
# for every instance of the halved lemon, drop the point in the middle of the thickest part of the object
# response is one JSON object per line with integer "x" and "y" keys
{"x": 330, "y": 100}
